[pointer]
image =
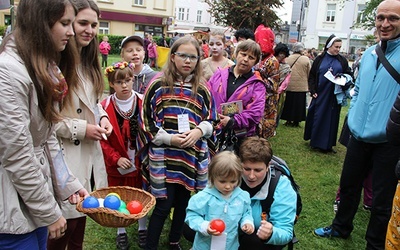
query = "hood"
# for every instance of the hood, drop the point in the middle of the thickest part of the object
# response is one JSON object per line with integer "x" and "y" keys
{"x": 265, "y": 37}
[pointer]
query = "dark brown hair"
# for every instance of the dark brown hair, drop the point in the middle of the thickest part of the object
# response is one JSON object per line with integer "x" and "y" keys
{"x": 36, "y": 48}
{"x": 255, "y": 149}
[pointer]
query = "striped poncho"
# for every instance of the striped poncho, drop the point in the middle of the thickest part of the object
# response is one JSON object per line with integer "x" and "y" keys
{"x": 167, "y": 163}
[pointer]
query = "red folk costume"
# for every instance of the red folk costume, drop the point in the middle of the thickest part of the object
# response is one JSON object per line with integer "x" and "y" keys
{"x": 122, "y": 142}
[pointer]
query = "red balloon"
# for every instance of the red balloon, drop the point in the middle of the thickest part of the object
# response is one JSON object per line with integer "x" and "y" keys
{"x": 134, "y": 207}
{"x": 217, "y": 224}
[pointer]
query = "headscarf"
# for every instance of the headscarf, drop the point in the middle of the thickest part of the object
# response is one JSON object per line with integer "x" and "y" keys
{"x": 330, "y": 41}
{"x": 265, "y": 37}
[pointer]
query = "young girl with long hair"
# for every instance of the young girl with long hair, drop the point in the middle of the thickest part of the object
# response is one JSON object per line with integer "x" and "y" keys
{"x": 84, "y": 121}
{"x": 33, "y": 174}
{"x": 177, "y": 119}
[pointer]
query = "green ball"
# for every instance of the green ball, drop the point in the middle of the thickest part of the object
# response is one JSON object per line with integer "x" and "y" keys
{"x": 123, "y": 204}
{"x": 123, "y": 210}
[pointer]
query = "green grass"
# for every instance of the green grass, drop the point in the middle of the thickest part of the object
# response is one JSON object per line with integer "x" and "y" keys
{"x": 317, "y": 174}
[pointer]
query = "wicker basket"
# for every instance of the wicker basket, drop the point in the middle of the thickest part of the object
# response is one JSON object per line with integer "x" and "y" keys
{"x": 112, "y": 218}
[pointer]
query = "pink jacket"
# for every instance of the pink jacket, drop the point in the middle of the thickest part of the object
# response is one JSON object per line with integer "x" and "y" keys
{"x": 152, "y": 50}
{"x": 104, "y": 47}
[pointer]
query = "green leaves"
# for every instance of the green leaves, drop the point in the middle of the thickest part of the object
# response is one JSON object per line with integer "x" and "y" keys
{"x": 245, "y": 14}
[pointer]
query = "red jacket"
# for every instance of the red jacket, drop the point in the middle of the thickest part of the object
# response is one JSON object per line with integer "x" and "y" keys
{"x": 115, "y": 147}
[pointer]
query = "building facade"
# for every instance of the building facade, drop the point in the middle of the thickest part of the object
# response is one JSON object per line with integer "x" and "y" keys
{"x": 127, "y": 17}
{"x": 193, "y": 15}
{"x": 325, "y": 17}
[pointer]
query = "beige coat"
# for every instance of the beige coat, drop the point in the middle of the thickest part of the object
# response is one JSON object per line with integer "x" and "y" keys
{"x": 81, "y": 154}
{"x": 26, "y": 194}
{"x": 300, "y": 70}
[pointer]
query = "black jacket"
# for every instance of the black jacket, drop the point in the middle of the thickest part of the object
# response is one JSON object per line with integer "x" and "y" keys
{"x": 393, "y": 125}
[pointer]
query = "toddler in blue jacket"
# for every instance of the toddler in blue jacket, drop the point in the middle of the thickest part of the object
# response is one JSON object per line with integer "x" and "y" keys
{"x": 221, "y": 199}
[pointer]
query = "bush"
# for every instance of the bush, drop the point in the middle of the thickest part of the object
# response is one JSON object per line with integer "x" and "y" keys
{"x": 114, "y": 41}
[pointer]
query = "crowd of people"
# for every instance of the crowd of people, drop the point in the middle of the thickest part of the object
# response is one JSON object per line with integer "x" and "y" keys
{"x": 166, "y": 130}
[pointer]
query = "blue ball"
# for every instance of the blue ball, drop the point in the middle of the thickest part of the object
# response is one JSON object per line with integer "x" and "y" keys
{"x": 90, "y": 202}
{"x": 112, "y": 202}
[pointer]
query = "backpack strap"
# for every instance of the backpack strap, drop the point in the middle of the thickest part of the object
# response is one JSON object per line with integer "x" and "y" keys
{"x": 266, "y": 204}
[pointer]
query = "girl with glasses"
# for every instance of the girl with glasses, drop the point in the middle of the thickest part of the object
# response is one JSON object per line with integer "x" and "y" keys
{"x": 177, "y": 122}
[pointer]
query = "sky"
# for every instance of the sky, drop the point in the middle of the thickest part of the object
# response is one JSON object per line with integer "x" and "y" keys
{"x": 286, "y": 8}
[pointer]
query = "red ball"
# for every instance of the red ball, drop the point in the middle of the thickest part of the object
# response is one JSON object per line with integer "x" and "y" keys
{"x": 217, "y": 224}
{"x": 134, "y": 207}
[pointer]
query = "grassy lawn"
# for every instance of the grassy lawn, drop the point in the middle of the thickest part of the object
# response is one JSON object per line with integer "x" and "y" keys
{"x": 318, "y": 176}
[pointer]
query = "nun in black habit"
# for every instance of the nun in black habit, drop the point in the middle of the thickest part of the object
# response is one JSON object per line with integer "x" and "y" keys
{"x": 322, "y": 120}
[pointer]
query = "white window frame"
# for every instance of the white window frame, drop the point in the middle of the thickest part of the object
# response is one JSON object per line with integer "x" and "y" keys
{"x": 181, "y": 14}
{"x": 104, "y": 30}
{"x": 138, "y": 2}
{"x": 330, "y": 13}
{"x": 199, "y": 15}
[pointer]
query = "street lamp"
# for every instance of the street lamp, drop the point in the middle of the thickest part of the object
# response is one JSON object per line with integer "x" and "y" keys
{"x": 300, "y": 21}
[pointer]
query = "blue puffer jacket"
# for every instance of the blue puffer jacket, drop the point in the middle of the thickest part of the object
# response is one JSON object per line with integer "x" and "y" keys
{"x": 375, "y": 92}
{"x": 209, "y": 204}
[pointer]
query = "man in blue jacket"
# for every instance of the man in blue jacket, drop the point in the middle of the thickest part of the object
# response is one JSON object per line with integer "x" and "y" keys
{"x": 375, "y": 92}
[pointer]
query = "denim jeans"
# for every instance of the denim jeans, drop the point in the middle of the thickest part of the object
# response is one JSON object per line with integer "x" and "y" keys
{"x": 35, "y": 240}
{"x": 360, "y": 158}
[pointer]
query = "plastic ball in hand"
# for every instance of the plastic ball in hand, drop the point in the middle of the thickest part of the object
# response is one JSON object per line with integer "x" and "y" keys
{"x": 90, "y": 202}
{"x": 218, "y": 225}
{"x": 112, "y": 202}
{"x": 134, "y": 207}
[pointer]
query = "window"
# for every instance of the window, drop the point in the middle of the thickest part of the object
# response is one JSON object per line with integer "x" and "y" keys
{"x": 181, "y": 14}
{"x": 187, "y": 14}
{"x": 138, "y": 2}
{"x": 330, "y": 12}
{"x": 199, "y": 13}
{"x": 360, "y": 13}
{"x": 104, "y": 28}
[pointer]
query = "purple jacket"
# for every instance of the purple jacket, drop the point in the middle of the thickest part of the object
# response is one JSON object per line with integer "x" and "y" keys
{"x": 252, "y": 94}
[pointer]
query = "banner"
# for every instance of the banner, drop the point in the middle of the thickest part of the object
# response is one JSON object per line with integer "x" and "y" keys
{"x": 4, "y": 4}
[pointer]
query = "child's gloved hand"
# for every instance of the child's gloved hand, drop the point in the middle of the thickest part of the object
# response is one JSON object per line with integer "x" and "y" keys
{"x": 248, "y": 228}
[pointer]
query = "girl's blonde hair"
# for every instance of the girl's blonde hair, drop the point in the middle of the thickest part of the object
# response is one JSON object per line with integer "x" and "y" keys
{"x": 171, "y": 74}
{"x": 225, "y": 165}
{"x": 218, "y": 33}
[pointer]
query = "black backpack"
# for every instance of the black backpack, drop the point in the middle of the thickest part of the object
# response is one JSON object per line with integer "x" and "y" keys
{"x": 277, "y": 168}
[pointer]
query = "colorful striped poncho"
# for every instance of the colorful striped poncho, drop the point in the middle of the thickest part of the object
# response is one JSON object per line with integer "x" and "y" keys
{"x": 166, "y": 163}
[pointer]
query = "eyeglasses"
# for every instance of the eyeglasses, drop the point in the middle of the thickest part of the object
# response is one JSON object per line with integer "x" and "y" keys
{"x": 390, "y": 19}
{"x": 127, "y": 81}
{"x": 184, "y": 57}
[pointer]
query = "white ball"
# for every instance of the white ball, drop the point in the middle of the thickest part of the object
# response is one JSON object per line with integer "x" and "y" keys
{"x": 101, "y": 202}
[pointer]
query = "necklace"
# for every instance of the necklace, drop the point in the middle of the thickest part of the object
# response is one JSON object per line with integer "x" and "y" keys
{"x": 125, "y": 114}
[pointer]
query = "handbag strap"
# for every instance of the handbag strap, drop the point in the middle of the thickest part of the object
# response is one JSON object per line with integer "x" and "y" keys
{"x": 386, "y": 64}
{"x": 291, "y": 66}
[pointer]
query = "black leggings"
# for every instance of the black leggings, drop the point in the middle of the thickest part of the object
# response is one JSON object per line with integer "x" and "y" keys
{"x": 178, "y": 197}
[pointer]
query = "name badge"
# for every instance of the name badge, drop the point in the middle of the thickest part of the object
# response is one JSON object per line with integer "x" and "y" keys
{"x": 218, "y": 242}
{"x": 183, "y": 123}
{"x": 61, "y": 170}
